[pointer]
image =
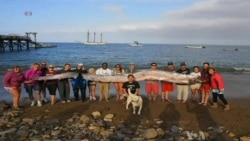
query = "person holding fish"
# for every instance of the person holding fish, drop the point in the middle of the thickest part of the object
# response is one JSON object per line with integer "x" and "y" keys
{"x": 33, "y": 85}
{"x": 152, "y": 85}
{"x": 64, "y": 86}
{"x": 183, "y": 89}
{"x": 52, "y": 84}
{"x": 92, "y": 85}
{"x": 44, "y": 69}
{"x": 205, "y": 87}
{"x": 167, "y": 87}
{"x": 118, "y": 85}
{"x": 104, "y": 87}
{"x": 12, "y": 83}
{"x": 79, "y": 83}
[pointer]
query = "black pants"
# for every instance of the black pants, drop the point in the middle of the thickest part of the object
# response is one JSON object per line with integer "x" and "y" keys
{"x": 221, "y": 97}
{"x": 82, "y": 90}
{"x": 64, "y": 90}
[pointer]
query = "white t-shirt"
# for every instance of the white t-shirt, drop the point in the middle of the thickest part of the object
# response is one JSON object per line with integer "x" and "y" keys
{"x": 102, "y": 71}
{"x": 198, "y": 74}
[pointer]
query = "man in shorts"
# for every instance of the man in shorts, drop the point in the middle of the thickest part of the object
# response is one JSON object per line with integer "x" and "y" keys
{"x": 167, "y": 87}
{"x": 152, "y": 85}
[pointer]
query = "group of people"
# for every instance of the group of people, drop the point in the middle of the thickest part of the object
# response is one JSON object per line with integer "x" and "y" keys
{"x": 13, "y": 80}
{"x": 211, "y": 81}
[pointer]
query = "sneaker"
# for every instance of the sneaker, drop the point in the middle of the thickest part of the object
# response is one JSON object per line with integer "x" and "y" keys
{"x": 16, "y": 108}
{"x": 39, "y": 103}
{"x": 32, "y": 103}
{"x": 45, "y": 100}
{"x": 117, "y": 97}
{"x": 94, "y": 98}
{"x": 90, "y": 98}
{"x": 68, "y": 101}
{"x": 184, "y": 101}
{"x": 63, "y": 101}
{"x": 167, "y": 100}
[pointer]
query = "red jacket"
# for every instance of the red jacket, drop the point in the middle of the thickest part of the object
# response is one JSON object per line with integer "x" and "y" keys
{"x": 217, "y": 81}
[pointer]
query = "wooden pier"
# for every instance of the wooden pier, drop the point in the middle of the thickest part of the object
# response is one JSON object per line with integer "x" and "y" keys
{"x": 16, "y": 42}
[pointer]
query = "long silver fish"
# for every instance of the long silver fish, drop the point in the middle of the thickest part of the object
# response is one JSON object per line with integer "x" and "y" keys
{"x": 140, "y": 76}
{"x": 57, "y": 76}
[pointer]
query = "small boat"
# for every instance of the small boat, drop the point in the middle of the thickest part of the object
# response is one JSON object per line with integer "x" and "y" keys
{"x": 195, "y": 47}
{"x": 136, "y": 44}
{"x": 230, "y": 49}
{"x": 94, "y": 42}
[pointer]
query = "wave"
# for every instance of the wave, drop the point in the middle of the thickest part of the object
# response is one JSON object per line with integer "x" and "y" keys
{"x": 241, "y": 69}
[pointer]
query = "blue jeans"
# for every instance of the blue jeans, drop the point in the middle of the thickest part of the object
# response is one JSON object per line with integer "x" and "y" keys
{"x": 76, "y": 92}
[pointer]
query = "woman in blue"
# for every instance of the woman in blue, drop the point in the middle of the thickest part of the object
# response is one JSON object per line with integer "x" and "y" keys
{"x": 79, "y": 83}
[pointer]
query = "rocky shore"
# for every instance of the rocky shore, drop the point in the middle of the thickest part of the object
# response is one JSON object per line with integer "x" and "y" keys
{"x": 110, "y": 121}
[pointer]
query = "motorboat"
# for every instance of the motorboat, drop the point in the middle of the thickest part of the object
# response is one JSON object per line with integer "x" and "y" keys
{"x": 230, "y": 49}
{"x": 136, "y": 44}
{"x": 195, "y": 46}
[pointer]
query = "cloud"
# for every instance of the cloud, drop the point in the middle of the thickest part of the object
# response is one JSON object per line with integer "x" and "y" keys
{"x": 113, "y": 8}
{"x": 220, "y": 21}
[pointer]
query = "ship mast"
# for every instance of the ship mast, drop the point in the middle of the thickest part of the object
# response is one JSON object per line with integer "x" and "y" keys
{"x": 88, "y": 37}
{"x": 94, "y": 37}
{"x": 101, "y": 37}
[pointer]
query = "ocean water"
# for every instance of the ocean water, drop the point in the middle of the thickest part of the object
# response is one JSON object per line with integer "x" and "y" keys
{"x": 93, "y": 56}
{"x": 226, "y": 62}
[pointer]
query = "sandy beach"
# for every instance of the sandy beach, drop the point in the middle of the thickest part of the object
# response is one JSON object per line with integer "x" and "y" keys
{"x": 189, "y": 116}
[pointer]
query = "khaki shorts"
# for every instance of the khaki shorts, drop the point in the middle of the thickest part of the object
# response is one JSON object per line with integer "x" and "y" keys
{"x": 195, "y": 86}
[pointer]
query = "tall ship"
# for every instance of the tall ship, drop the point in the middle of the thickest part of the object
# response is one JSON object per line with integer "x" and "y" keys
{"x": 94, "y": 42}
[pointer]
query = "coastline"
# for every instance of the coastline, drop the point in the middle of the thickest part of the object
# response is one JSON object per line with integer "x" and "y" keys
{"x": 235, "y": 87}
{"x": 233, "y": 124}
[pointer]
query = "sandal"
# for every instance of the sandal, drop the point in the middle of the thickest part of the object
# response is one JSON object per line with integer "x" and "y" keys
{"x": 184, "y": 101}
{"x": 167, "y": 100}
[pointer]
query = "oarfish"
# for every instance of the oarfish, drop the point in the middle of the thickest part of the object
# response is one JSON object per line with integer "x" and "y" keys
{"x": 106, "y": 78}
{"x": 139, "y": 76}
{"x": 165, "y": 76}
{"x": 58, "y": 76}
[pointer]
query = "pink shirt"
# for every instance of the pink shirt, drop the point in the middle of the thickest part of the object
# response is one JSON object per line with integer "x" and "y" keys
{"x": 30, "y": 74}
{"x": 12, "y": 79}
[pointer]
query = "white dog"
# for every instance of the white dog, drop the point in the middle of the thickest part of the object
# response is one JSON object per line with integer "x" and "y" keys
{"x": 135, "y": 100}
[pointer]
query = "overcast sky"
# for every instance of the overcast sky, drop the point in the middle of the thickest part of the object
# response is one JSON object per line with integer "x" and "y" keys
{"x": 123, "y": 21}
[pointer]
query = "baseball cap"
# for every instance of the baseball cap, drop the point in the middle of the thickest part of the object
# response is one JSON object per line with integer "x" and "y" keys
{"x": 183, "y": 63}
{"x": 80, "y": 64}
